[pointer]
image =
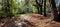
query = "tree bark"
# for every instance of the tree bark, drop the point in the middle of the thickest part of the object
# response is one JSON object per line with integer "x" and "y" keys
{"x": 40, "y": 9}
{"x": 54, "y": 10}
{"x": 59, "y": 9}
{"x": 45, "y": 8}
{"x": 39, "y": 6}
{"x": 59, "y": 12}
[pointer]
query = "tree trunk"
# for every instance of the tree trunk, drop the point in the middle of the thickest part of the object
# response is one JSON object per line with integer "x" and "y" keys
{"x": 40, "y": 9}
{"x": 54, "y": 10}
{"x": 40, "y": 5}
{"x": 59, "y": 12}
{"x": 37, "y": 5}
{"x": 45, "y": 8}
{"x": 59, "y": 9}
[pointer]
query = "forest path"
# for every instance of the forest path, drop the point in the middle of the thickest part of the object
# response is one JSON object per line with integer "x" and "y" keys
{"x": 30, "y": 20}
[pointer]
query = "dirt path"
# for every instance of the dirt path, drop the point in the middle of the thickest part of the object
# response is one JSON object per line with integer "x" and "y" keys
{"x": 30, "y": 20}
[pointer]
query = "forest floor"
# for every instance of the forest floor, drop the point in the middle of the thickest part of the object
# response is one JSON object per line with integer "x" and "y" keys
{"x": 29, "y": 20}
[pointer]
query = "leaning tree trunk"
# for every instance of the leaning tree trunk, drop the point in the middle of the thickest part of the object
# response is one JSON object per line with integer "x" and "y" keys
{"x": 45, "y": 8}
{"x": 54, "y": 10}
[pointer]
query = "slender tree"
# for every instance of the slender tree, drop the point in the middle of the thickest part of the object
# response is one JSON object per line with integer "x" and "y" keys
{"x": 44, "y": 7}
{"x": 39, "y": 6}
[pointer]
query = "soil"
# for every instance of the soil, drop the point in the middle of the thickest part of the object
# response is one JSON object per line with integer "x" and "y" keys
{"x": 29, "y": 20}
